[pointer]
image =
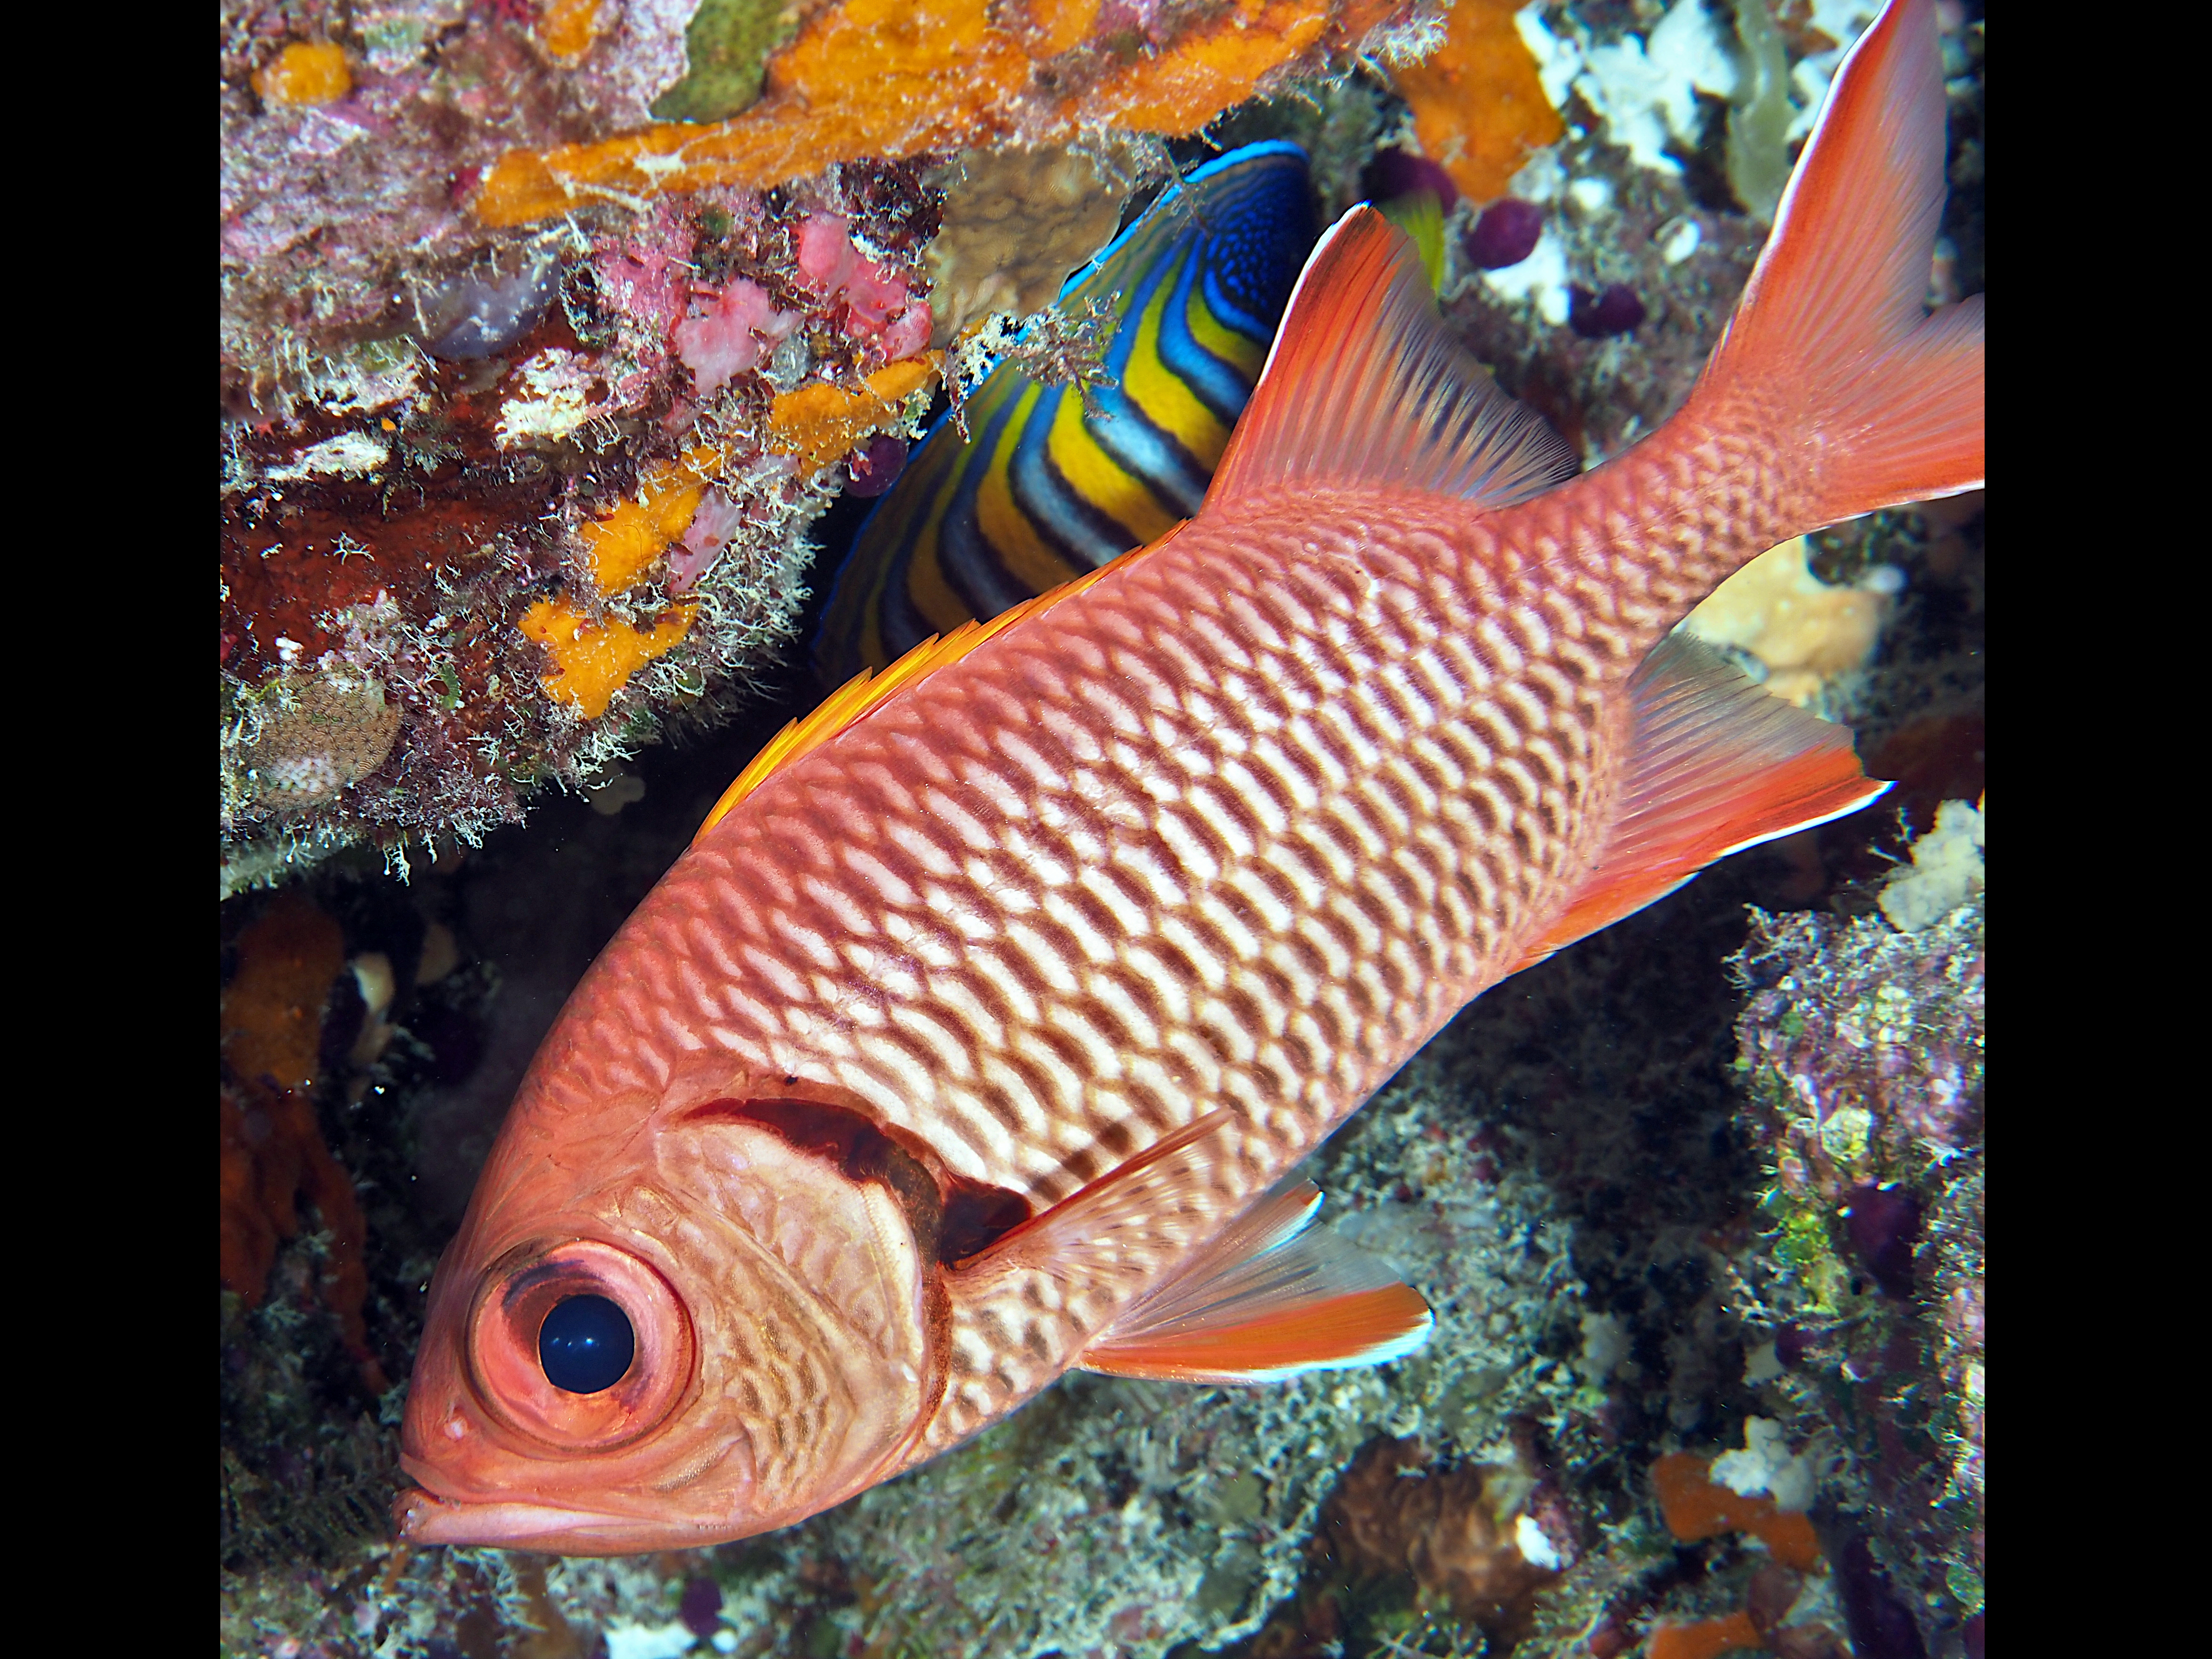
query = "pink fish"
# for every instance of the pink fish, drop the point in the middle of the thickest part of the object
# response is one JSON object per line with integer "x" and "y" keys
{"x": 976, "y": 1035}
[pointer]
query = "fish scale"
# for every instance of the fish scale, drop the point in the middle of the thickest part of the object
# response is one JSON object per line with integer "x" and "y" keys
{"x": 978, "y": 1032}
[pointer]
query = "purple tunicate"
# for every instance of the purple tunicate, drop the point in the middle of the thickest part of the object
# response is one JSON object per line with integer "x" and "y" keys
{"x": 1881, "y": 1625}
{"x": 1884, "y": 1225}
{"x": 1507, "y": 234}
{"x": 701, "y": 1609}
{"x": 1395, "y": 172}
{"x": 1602, "y": 316}
{"x": 875, "y": 468}
{"x": 1790, "y": 1347}
{"x": 480, "y": 312}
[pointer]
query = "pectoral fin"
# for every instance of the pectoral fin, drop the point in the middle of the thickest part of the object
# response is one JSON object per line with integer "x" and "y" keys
{"x": 1268, "y": 1298}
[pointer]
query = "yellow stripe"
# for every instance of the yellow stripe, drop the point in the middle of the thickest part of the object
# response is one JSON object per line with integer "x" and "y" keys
{"x": 1250, "y": 355}
{"x": 926, "y": 589}
{"x": 1029, "y": 558}
{"x": 1099, "y": 479}
{"x": 1155, "y": 389}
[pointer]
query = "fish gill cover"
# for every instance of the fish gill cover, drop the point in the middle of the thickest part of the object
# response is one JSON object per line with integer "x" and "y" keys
{"x": 507, "y": 500}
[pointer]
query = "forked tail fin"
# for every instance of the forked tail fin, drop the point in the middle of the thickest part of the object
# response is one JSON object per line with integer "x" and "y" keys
{"x": 1886, "y": 400}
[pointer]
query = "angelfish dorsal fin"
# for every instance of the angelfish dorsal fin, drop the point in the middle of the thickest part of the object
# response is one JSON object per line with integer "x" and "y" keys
{"x": 1365, "y": 386}
{"x": 1268, "y": 1298}
{"x": 1715, "y": 765}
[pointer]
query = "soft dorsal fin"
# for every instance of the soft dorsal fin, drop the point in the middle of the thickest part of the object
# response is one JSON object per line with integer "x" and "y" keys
{"x": 864, "y": 693}
{"x": 1365, "y": 386}
{"x": 1271, "y": 1297}
{"x": 1715, "y": 765}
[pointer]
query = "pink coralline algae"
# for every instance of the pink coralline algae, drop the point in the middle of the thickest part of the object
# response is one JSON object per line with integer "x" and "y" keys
{"x": 644, "y": 280}
{"x": 717, "y": 520}
{"x": 742, "y": 326}
{"x": 879, "y": 308}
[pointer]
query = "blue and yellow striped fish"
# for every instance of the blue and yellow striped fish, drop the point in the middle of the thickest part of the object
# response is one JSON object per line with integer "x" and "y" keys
{"x": 1052, "y": 484}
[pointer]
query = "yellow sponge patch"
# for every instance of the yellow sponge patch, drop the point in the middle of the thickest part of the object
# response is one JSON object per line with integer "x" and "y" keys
{"x": 566, "y": 28}
{"x": 624, "y": 544}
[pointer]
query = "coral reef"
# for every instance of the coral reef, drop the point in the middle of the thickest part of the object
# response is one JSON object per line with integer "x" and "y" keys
{"x": 483, "y": 538}
{"x": 1684, "y": 1311}
{"x": 1862, "y": 1057}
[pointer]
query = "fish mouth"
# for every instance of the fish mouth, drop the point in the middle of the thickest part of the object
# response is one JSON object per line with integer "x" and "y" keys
{"x": 423, "y": 1517}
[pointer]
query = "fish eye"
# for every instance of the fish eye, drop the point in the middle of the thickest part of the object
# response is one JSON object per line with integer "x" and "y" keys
{"x": 586, "y": 1345}
{"x": 578, "y": 1345}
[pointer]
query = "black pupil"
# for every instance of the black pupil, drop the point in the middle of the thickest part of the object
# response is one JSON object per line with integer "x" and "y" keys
{"x": 586, "y": 1345}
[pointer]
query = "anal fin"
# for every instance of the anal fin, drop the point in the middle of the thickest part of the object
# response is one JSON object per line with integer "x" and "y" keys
{"x": 1269, "y": 1298}
{"x": 1716, "y": 765}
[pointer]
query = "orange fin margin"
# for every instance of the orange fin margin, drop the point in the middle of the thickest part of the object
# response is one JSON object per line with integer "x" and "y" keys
{"x": 866, "y": 692}
{"x": 1715, "y": 765}
{"x": 1365, "y": 385}
{"x": 1269, "y": 1298}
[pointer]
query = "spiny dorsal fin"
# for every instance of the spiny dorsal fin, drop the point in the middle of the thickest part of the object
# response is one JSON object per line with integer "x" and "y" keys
{"x": 1365, "y": 386}
{"x": 864, "y": 693}
{"x": 1715, "y": 765}
{"x": 1269, "y": 1298}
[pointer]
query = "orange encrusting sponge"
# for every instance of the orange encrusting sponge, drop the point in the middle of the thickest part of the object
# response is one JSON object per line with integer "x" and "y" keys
{"x": 623, "y": 544}
{"x": 1695, "y": 1508}
{"x": 819, "y": 422}
{"x": 1708, "y": 1638}
{"x": 894, "y": 78}
{"x": 566, "y": 29}
{"x": 305, "y": 72}
{"x": 592, "y": 661}
{"x": 1479, "y": 106}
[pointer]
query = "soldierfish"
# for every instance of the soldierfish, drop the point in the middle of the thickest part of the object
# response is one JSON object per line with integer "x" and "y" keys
{"x": 974, "y": 1036}
{"x": 1050, "y": 482}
